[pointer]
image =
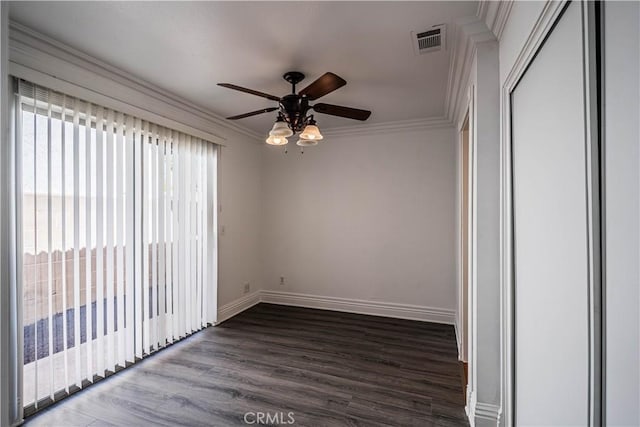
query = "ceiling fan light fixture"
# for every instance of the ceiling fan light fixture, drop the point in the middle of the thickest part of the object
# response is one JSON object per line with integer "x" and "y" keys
{"x": 311, "y": 132}
{"x": 276, "y": 140}
{"x": 294, "y": 108}
{"x": 280, "y": 128}
{"x": 306, "y": 142}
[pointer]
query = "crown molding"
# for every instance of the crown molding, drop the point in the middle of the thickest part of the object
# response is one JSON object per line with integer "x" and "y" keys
{"x": 495, "y": 15}
{"x": 31, "y": 50}
{"x": 459, "y": 70}
{"x": 502, "y": 16}
{"x": 35, "y": 54}
{"x": 483, "y": 6}
{"x": 469, "y": 32}
{"x": 488, "y": 24}
{"x": 388, "y": 127}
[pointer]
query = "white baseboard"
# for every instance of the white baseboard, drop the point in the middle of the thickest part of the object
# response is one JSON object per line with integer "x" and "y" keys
{"x": 470, "y": 406}
{"x": 374, "y": 308}
{"x": 233, "y": 308}
{"x": 458, "y": 339}
{"x": 482, "y": 414}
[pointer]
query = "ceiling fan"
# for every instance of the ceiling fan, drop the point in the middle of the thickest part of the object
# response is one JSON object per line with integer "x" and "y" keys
{"x": 293, "y": 108}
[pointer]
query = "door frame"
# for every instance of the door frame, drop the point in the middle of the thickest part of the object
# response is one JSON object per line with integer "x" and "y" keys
{"x": 594, "y": 148}
{"x": 466, "y": 342}
{"x": 464, "y": 287}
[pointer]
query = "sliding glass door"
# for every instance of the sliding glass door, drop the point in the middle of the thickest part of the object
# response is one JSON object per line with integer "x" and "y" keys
{"x": 116, "y": 239}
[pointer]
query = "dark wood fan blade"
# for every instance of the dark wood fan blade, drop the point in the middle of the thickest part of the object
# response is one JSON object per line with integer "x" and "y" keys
{"x": 324, "y": 85}
{"x": 251, "y": 91}
{"x": 340, "y": 111}
{"x": 253, "y": 113}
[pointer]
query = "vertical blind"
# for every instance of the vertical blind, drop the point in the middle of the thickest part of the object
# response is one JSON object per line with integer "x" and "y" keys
{"x": 117, "y": 239}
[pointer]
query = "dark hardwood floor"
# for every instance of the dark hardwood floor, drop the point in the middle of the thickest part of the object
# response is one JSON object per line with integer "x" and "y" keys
{"x": 327, "y": 368}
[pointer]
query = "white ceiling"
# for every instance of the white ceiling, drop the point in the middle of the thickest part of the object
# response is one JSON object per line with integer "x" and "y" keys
{"x": 188, "y": 47}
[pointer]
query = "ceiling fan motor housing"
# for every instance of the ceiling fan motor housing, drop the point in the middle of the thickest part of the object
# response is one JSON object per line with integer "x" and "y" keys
{"x": 293, "y": 77}
{"x": 294, "y": 110}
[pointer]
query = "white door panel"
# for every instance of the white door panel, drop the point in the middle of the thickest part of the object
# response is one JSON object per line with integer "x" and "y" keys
{"x": 550, "y": 232}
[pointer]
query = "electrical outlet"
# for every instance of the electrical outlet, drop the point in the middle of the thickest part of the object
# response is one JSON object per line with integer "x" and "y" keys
{"x": 281, "y": 280}
{"x": 247, "y": 287}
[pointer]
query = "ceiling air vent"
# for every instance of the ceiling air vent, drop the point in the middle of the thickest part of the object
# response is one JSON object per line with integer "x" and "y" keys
{"x": 430, "y": 40}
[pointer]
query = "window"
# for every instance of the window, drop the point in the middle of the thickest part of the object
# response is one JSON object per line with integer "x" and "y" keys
{"x": 116, "y": 239}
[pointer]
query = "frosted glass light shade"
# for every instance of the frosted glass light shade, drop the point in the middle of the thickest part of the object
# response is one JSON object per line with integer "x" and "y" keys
{"x": 281, "y": 128}
{"x": 276, "y": 140}
{"x": 312, "y": 133}
{"x": 307, "y": 142}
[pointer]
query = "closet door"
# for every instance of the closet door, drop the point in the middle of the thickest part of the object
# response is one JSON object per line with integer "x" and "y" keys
{"x": 551, "y": 252}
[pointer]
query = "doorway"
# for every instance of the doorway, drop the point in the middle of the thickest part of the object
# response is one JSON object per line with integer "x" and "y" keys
{"x": 115, "y": 246}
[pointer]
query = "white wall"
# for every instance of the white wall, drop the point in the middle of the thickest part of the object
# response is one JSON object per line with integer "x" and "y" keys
{"x": 476, "y": 65}
{"x": 622, "y": 157}
{"x": 239, "y": 194}
{"x": 367, "y": 217}
{"x": 486, "y": 201}
{"x": 483, "y": 392}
